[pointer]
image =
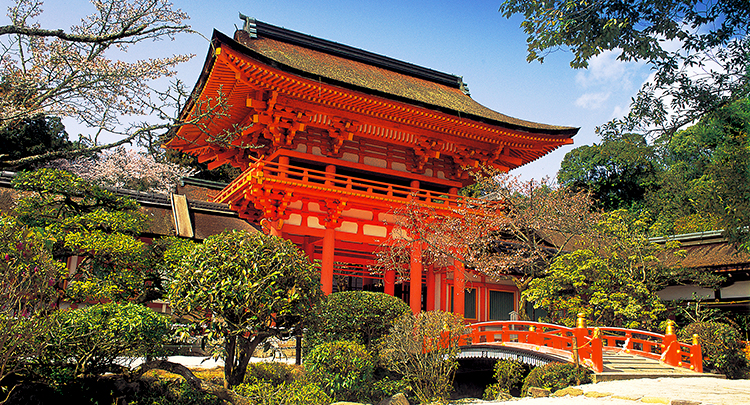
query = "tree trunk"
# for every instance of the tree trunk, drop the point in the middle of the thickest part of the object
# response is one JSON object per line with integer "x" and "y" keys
{"x": 242, "y": 350}
{"x": 522, "y": 285}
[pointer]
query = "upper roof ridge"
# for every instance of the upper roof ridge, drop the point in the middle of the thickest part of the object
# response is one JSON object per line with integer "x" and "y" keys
{"x": 259, "y": 29}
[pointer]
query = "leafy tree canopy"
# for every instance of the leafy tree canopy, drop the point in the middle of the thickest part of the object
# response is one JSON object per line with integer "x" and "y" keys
{"x": 706, "y": 70}
{"x": 33, "y": 136}
{"x": 618, "y": 172}
{"x": 246, "y": 287}
{"x": 706, "y": 182}
{"x": 614, "y": 279}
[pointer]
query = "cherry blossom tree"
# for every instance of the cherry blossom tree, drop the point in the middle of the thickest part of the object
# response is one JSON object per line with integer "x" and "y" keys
{"x": 126, "y": 168}
{"x": 75, "y": 73}
{"x": 515, "y": 230}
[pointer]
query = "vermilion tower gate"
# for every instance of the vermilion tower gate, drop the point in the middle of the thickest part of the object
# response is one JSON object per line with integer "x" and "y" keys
{"x": 333, "y": 138}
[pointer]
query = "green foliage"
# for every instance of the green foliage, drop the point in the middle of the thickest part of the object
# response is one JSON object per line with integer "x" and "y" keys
{"x": 721, "y": 345}
{"x": 88, "y": 340}
{"x": 358, "y": 316}
{"x": 343, "y": 369}
{"x": 101, "y": 228}
{"x": 295, "y": 393}
{"x": 423, "y": 349}
{"x": 556, "y": 376}
{"x": 174, "y": 392}
{"x": 275, "y": 373}
{"x": 618, "y": 172}
{"x": 32, "y": 136}
{"x": 28, "y": 275}
{"x": 245, "y": 287}
{"x": 509, "y": 375}
{"x": 706, "y": 184}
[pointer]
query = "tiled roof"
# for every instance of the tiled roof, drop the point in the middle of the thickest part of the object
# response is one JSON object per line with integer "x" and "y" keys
{"x": 372, "y": 73}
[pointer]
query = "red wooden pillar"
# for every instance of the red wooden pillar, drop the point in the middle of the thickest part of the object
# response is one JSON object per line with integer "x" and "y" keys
{"x": 415, "y": 278}
{"x": 308, "y": 248}
{"x": 389, "y": 282}
{"x": 444, "y": 298}
{"x": 458, "y": 288}
{"x": 326, "y": 274}
{"x": 430, "y": 288}
{"x": 283, "y": 165}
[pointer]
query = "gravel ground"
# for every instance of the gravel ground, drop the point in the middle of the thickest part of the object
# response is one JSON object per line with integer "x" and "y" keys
{"x": 705, "y": 391}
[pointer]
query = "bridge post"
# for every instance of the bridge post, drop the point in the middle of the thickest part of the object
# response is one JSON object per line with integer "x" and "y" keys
{"x": 533, "y": 336}
{"x": 596, "y": 350}
{"x": 696, "y": 355}
{"x": 581, "y": 332}
{"x": 669, "y": 346}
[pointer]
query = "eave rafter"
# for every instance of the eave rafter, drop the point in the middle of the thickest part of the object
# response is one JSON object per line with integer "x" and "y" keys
{"x": 315, "y": 97}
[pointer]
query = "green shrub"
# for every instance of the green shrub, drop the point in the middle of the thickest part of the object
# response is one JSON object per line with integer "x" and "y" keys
{"x": 295, "y": 393}
{"x": 275, "y": 373}
{"x": 555, "y": 376}
{"x": 509, "y": 375}
{"x": 344, "y": 369}
{"x": 357, "y": 316}
{"x": 258, "y": 392}
{"x": 721, "y": 345}
{"x": 88, "y": 340}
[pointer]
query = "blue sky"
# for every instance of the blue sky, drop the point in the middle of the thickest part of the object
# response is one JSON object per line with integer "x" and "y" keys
{"x": 469, "y": 39}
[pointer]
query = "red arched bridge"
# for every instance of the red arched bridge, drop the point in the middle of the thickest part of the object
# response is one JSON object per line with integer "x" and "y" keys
{"x": 604, "y": 350}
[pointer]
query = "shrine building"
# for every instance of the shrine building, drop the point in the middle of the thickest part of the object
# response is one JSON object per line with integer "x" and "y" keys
{"x": 333, "y": 138}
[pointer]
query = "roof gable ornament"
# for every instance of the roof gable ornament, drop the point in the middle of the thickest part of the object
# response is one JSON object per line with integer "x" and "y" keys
{"x": 250, "y": 27}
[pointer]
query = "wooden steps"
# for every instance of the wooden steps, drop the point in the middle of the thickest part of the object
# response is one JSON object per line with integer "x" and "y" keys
{"x": 623, "y": 366}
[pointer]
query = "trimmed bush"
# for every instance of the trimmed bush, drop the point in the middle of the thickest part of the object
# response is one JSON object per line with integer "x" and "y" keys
{"x": 721, "y": 345}
{"x": 509, "y": 375}
{"x": 555, "y": 376}
{"x": 356, "y": 316}
{"x": 344, "y": 369}
{"x": 89, "y": 340}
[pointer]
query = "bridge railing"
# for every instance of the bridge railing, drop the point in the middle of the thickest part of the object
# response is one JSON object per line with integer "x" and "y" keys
{"x": 588, "y": 344}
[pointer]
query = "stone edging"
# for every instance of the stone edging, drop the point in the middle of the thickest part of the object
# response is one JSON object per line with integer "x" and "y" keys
{"x": 574, "y": 392}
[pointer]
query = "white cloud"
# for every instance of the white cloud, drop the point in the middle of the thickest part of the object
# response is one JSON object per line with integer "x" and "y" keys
{"x": 605, "y": 69}
{"x": 620, "y": 111}
{"x": 592, "y": 101}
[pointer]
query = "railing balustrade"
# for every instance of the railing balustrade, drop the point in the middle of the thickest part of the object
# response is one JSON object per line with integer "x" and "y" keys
{"x": 369, "y": 188}
{"x": 590, "y": 342}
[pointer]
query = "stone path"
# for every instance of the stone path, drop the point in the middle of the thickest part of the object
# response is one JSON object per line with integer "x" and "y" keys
{"x": 668, "y": 390}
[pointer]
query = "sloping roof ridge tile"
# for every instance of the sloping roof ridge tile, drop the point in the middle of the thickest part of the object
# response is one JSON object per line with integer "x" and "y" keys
{"x": 265, "y": 30}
